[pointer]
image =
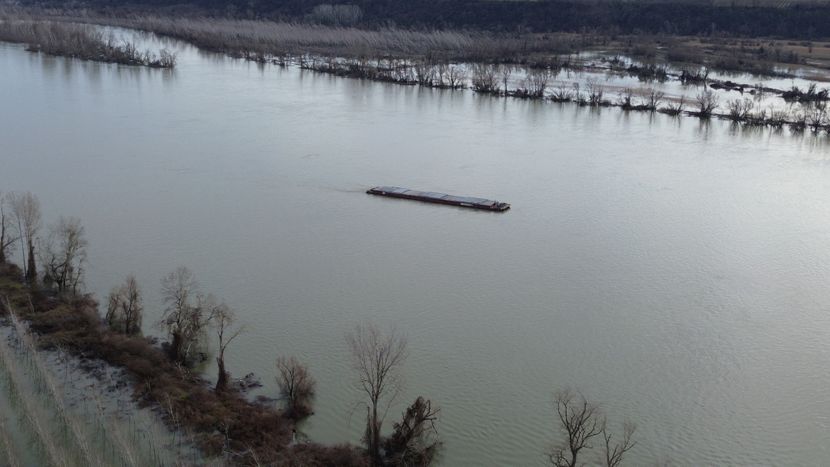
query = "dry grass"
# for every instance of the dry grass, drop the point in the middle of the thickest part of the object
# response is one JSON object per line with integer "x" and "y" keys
{"x": 261, "y": 38}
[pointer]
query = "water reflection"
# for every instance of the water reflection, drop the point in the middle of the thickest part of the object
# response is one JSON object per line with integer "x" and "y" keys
{"x": 704, "y": 126}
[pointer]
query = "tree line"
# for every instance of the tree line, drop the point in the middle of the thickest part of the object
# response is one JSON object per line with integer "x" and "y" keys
{"x": 795, "y": 20}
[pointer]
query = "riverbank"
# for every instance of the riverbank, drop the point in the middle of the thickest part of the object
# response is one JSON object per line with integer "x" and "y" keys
{"x": 517, "y": 66}
{"x": 221, "y": 424}
{"x": 258, "y": 39}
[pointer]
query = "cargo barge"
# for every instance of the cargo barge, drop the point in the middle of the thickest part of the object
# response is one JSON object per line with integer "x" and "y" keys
{"x": 440, "y": 198}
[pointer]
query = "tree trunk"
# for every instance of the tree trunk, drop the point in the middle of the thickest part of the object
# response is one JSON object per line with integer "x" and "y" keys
{"x": 2, "y": 240}
{"x": 222, "y": 379}
{"x": 374, "y": 441}
{"x": 31, "y": 271}
{"x": 175, "y": 347}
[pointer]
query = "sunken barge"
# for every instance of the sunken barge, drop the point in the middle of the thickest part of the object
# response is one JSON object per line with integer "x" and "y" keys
{"x": 440, "y": 198}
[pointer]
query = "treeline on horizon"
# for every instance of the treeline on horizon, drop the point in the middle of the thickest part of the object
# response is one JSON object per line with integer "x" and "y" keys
{"x": 798, "y": 21}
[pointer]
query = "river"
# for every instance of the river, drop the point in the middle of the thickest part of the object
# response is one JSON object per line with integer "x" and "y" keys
{"x": 675, "y": 271}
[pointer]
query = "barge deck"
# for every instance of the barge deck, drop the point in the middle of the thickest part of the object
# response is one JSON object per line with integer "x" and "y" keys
{"x": 440, "y": 198}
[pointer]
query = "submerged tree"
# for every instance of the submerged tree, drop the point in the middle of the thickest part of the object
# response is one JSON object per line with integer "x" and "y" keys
{"x": 26, "y": 211}
{"x": 707, "y": 102}
{"x": 414, "y": 439}
{"x": 186, "y": 315}
{"x": 614, "y": 451}
{"x": 580, "y": 422}
{"x": 296, "y": 386}
{"x": 8, "y": 236}
{"x": 223, "y": 318}
{"x": 653, "y": 98}
{"x": 63, "y": 255}
{"x": 485, "y": 79}
{"x": 378, "y": 360}
{"x": 125, "y": 307}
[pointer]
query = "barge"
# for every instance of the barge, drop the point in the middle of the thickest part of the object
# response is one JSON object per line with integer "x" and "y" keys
{"x": 440, "y": 198}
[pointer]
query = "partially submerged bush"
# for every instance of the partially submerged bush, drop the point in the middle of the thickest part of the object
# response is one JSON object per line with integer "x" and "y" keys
{"x": 707, "y": 102}
{"x": 414, "y": 440}
{"x": 297, "y": 386}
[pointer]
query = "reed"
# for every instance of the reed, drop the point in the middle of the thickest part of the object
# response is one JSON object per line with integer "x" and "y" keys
{"x": 33, "y": 416}
{"x": 83, "y": 436}
{"x": 273, "y": 39}
{"x": 7, "y": 449}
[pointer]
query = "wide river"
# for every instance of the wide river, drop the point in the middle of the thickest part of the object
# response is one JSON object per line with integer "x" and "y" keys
{"x": 675, "y": 272}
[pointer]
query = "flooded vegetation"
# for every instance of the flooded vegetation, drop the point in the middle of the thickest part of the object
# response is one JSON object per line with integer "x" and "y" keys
{"x": 519, "y": 67}
{"x": 80, "y": 41}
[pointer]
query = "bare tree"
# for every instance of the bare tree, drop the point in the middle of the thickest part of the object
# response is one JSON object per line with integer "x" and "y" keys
{"x": 595, "y": 92}
{"x": 626, "y": 98}
{"x": 577, "y": 94}
{"x": 223, "y": 318}
{"x": 297, "y": 386}
{"x": 125, "y": 307}
{"x": 185, "y": 318}
{"x": 562, "y": 93}
{"x": 456, "y": 76}
{"x": 485, "y": 79}
{"x": 706, "y": 101}
{"x": 675, "y": 109}
{"x": 443, "y": 70}
{"x": 739, "y": 109}
{"x": 414, "y": 439}
{"x": 580, "y": 421}
{"x": 63, "y": 254}
{"x": 653, "y": 98}
{"x": 817, "y": 115}
{"x": 378, "y": 360}
{"x": 614, "y": 452}
{"x": 7, "y": 234}
{"x": 425, "y": 73}
{"x": 537, "y": 82}
{"x": 26, "y": 211}
{"x": 505, "y": 71}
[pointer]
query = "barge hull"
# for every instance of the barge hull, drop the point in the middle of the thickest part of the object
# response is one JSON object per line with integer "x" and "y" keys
{"x": 439, "y": 198}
